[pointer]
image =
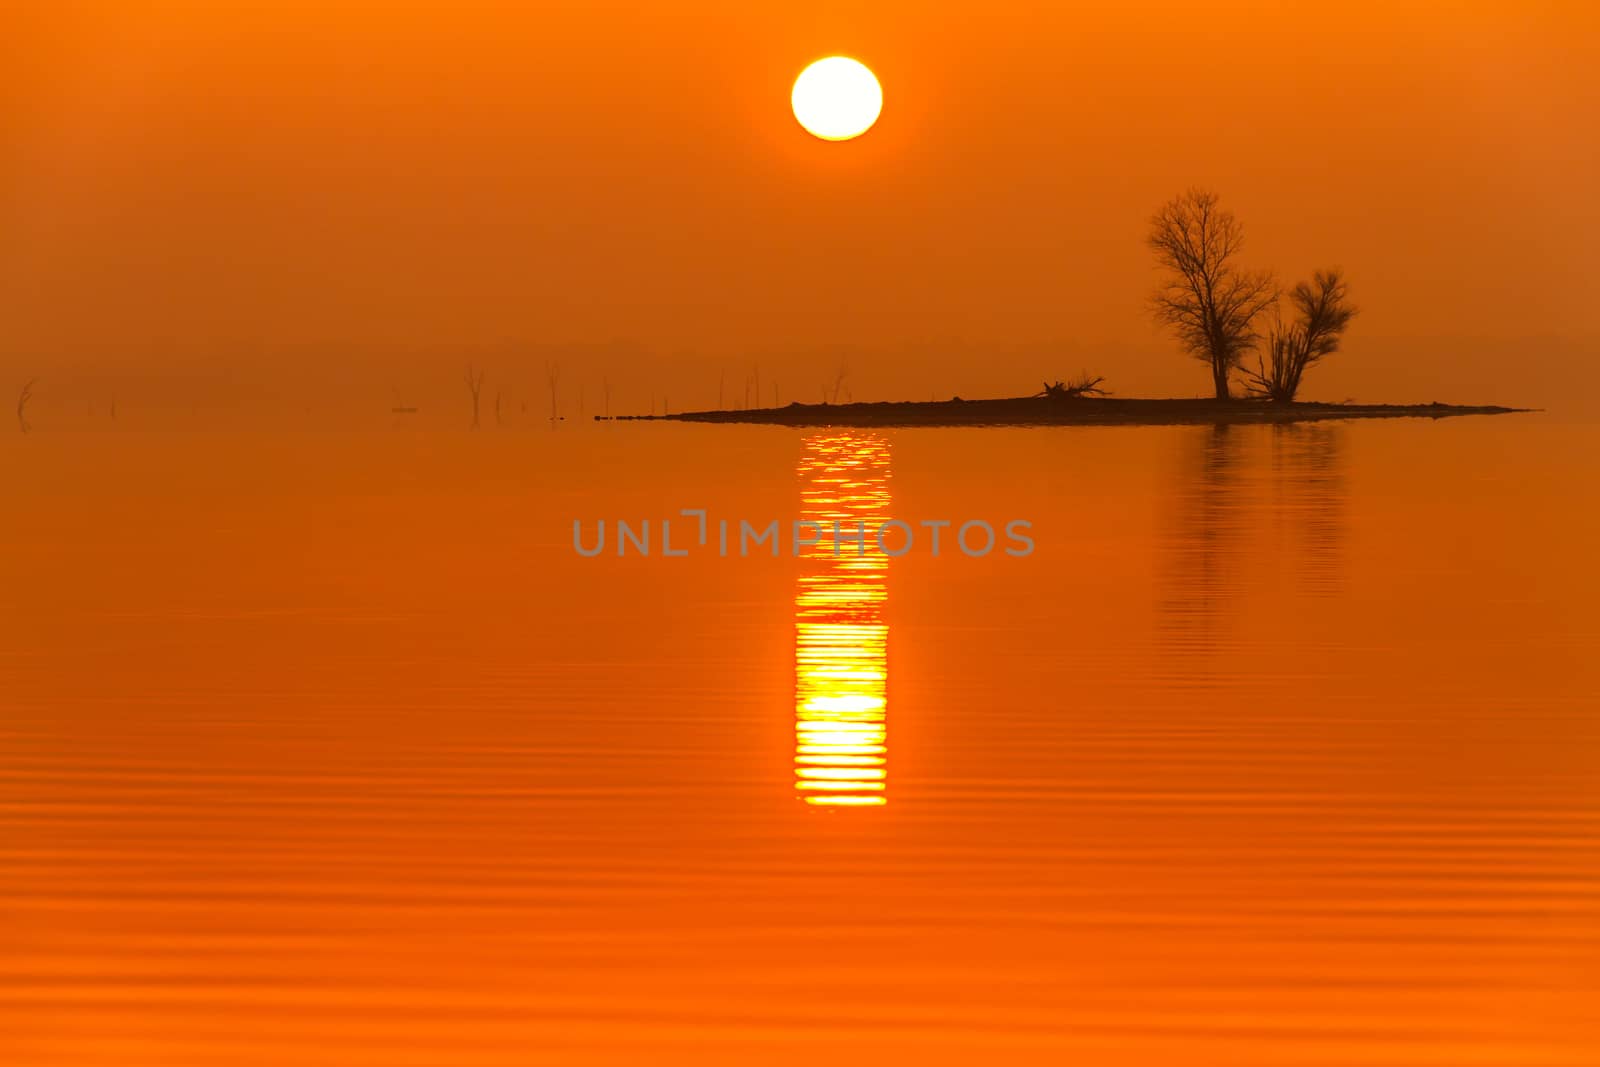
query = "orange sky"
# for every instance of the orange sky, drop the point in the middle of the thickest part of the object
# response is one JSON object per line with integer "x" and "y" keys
{"x": 293, "y": 188}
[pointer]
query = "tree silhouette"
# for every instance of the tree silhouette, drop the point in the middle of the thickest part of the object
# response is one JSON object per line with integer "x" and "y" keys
{"x": 1324, "y": 313}
{"x": 475, "y": 387}
{"x": 830, "y": 395}
{"x": 552, "y": 375}
{"x": 1207, "y": 299}
{"x": 22, "y": 404}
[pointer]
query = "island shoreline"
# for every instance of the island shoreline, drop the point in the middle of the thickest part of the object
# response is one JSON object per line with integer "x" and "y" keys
{"x": 1076, "y": 411}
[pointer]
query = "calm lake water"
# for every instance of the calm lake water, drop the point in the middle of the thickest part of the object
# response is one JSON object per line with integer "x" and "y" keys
{"x": 1281, "y": 748}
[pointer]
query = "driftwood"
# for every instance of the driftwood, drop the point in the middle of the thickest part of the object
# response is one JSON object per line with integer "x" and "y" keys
{"x": 1083, "y": 385}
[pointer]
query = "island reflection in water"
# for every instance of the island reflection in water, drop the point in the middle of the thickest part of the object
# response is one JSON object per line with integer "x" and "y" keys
{"x": 841, "y": 638}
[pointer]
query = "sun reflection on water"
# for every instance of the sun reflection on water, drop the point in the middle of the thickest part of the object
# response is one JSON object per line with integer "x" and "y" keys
{"x": 841, "y": 638}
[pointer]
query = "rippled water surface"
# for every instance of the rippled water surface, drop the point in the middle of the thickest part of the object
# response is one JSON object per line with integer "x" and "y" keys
{"x": 1280, "y": 748}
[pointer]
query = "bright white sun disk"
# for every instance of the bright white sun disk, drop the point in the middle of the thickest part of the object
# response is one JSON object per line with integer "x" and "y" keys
{"x": 837, "y": 98}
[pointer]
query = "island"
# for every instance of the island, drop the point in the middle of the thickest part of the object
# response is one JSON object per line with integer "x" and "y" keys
{"x": 1069, "y": 411}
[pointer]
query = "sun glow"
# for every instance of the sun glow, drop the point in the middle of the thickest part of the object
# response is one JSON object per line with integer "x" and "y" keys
{"x": 837, "y": 98}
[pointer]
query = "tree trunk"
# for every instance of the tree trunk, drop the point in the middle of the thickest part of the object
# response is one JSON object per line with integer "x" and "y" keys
{"x": 1219, "y": 378}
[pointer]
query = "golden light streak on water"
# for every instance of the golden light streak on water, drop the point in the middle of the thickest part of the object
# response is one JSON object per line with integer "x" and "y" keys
{"x": 841, "y": 639}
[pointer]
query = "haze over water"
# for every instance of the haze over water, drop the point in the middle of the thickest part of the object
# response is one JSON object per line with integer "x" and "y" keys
{"x": 1279, "y": 749}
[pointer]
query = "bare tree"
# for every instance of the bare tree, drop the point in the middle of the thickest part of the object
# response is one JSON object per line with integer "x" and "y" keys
{"x": 475, "y": 387}
{"x": 498, "y": 419}
{"x": 22, "y": 404}
{"x": 1208, "y": 300}
{"x": 552, "y": 374}
{"x": 1323, "y": 315}
{"x": 831, "y": 395}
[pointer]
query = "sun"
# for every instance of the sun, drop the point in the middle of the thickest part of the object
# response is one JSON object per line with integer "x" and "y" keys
{"x": 837, "y": 98}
